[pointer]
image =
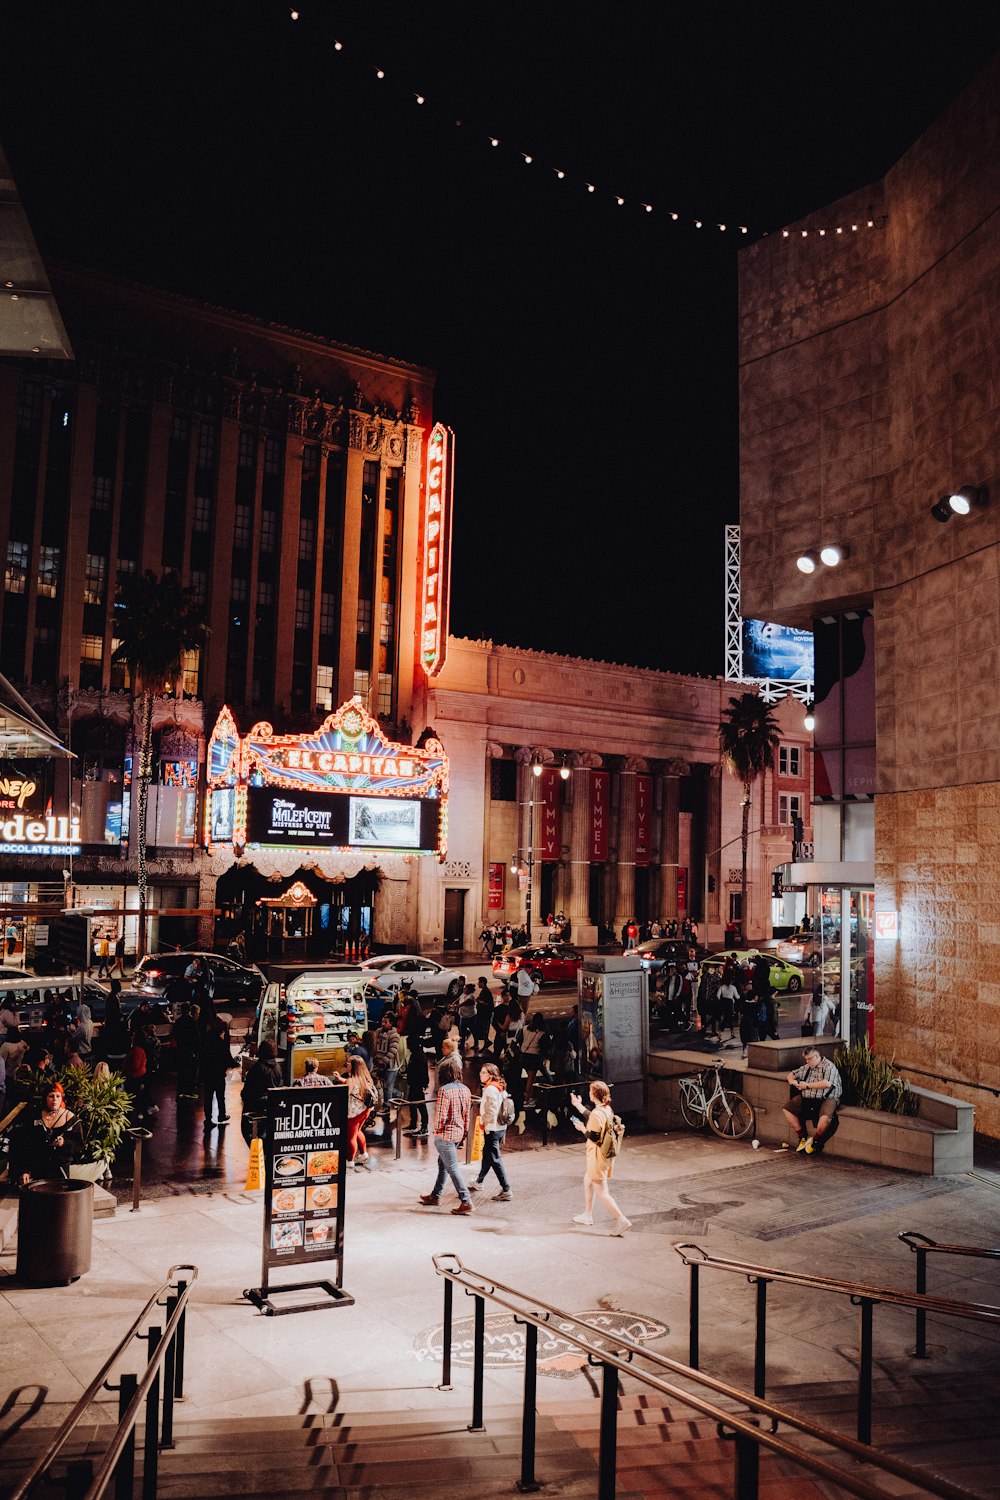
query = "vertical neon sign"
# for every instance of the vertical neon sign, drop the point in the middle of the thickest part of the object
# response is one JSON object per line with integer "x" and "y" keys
{"x": 437, "y": 548}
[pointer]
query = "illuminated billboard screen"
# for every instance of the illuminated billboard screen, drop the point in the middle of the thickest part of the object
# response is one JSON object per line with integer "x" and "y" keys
{"x": 384, "y": 823}
{"x": 779, "y": 652}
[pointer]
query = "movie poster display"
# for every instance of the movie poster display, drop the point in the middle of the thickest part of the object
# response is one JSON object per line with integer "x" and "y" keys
{"x": 305, "y": 1170}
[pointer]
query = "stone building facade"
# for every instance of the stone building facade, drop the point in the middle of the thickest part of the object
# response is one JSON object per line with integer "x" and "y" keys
{"x": 869, "y": 393}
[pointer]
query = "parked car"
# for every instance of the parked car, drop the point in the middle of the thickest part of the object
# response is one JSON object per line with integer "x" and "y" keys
{"x": 784, "y": 976}
{"x": 388, "y": 970}
{"x": 556, "y": 963}
{"x": 656, "y": 953}
{"x": 802, "y": 948}
{"x": 233, "y": 982}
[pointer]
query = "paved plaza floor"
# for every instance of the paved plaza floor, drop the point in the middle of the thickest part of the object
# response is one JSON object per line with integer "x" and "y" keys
{"x": 382, "y": 1353}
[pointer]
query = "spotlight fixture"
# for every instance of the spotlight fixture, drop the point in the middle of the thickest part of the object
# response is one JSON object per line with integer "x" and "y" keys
{"x": 832, "y": 555}
{"x": 960, "y": 502}
{"x": 806, "y": 562}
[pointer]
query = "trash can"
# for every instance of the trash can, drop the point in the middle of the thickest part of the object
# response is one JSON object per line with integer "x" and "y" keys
{"x": 55, "y": 1228}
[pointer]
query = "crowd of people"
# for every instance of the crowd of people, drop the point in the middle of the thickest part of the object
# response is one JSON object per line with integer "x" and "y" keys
{"x": 728, "y": 997}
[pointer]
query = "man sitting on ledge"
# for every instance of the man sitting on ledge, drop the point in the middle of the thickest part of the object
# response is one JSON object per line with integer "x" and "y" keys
{"x": 816, "y": 1090}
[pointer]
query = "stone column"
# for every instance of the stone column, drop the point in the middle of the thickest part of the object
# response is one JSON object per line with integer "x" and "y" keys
{"x": 625, "y": 893}
{"x": 670, "y": 838}
{"x": 578, "y": 899}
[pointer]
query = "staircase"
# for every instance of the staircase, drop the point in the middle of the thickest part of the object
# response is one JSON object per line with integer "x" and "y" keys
{"x": 424, "y": 1454}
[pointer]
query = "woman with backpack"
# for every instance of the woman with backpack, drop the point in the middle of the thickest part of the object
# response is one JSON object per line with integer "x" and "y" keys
{"x": 603, "y": 1132}
{"x": 496, "y": 1109}
{"x": 534, "y": 1051}
{"x": 362, "y": 1098}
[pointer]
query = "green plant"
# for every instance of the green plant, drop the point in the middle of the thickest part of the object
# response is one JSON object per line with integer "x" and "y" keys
{"x": 103, "y": 1105}
{"x": 871, "y": 1081}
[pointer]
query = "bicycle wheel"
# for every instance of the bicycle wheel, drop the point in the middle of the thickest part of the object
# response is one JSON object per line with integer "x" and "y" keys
{"x": 692, "y": 1115}
{"x": 731, "y": 1116}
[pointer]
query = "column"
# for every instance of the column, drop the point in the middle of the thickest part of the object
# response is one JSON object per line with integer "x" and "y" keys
{"x": 578, "y": 898}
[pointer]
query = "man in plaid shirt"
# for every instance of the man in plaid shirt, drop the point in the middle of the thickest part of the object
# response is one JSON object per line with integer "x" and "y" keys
{"x": 451, "y": 1126}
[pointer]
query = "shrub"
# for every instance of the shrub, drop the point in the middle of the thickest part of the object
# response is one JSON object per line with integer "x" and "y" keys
{"x": 871, "y": 1081}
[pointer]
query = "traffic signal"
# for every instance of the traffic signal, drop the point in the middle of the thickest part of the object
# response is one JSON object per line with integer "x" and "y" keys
{"x": 711, "y": 885}
{"x": 776, "y": 884}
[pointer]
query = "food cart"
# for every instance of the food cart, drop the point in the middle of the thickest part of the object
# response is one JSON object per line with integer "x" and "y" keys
{"x": 309, "y": 1012}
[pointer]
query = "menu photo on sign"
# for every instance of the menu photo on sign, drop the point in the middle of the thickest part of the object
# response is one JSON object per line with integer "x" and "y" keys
{"x": 305, "y": 1146}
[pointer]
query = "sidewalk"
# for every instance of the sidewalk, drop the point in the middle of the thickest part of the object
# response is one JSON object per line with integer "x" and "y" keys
{"x": 383, "y": 1352}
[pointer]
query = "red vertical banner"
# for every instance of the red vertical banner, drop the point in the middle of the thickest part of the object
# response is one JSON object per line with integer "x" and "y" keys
{"x": 496, "y": 886}
{"x": 599, "y": 781}
{"x": 643, "y": 819}
{"x": 548, "y": 815}
{"x": 682, "y": 889}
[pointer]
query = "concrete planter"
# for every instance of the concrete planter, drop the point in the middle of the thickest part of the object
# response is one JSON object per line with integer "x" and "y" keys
{"x": 936, "y": 1142}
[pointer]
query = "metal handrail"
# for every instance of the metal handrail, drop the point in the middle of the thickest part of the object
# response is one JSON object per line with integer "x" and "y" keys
{"x": 749, "y": 1437}
{"x": 981, "y": 1312}
{"x": 173, "y": 1284}
{"x": 925, "y": 1247}
{"x": 862, "y": 1295}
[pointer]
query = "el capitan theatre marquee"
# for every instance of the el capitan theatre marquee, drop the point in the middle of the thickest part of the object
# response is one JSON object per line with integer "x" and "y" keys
{"x": 344, "y": 788}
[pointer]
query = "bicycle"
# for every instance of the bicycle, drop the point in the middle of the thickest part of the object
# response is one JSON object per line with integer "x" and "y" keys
{"x": 728, "y": 1113}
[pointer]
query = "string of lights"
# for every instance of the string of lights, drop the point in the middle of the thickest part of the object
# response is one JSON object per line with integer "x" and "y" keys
{"x": 496, "y": 143}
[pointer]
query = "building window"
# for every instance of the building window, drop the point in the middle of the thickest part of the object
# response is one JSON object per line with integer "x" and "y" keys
{"x": 191, "y": 671}
{"x": 247, "y": 456}
{"x": 362, "y": 683}
{"x": 272, "y": 456}
{"x": 199, "y": 587}
{"x": 238, "y": 593}
{"x": 307, "y": 539}
{"x": 206, "y": 445}
{"x": 17, "y": 567}
{"x": 328, "y": 614}
{"x": 95, "y": 579}
{"x": 324, "y": 689}
{"x": 91, "y": 648}
{"x": 789, "y": 760}
{"x": 104, "y": 491}
{"x": 241, "y": 529}
{"x": 303, "y": 609}
{"x": 265, "y": 591}
{"x": 48, "y": 572}
{"x": 385, "y": 695}
{"x": 789, "y": 807}
{"x": 268, "y": 530}
{"x": 503, "y": 781}
{"x": 180, "y": 427}
{"x": 364, "y": 617}
{"x": 202, "y": 513}
{"x": 30, "y": 406}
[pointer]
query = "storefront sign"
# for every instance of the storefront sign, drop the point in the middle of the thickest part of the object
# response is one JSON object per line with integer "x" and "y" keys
{"x": 887, "y": 925}
{"x": 33, "y": 819}
{"x": 305, "y": 1152}
{"x": 548, "y": 831}
{"x": 302, "y": 820}
{"x": 599, "y": 816}
{"x": 643, "y": 819}
{"x": 23, "y": 834}
{"x": 496, "y": 886}
{"x": 436, "y": 547}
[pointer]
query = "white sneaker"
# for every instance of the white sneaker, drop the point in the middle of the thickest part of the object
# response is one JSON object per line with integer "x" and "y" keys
{"x": 583, "y": 1218}
{"x": 622, "y": 1227}
{"x": 473, "y": 1187}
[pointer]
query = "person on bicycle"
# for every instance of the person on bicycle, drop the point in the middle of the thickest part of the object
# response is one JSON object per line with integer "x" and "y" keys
{"x": 816, "y": 1090}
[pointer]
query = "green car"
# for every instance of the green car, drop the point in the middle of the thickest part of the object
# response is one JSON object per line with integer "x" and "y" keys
{"x": 784, "y": 976}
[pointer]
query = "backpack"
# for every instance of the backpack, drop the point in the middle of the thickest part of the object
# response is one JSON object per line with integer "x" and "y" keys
{"x": 370, "y": 1098}
{"x": 506, "y": 1114}
{"x": 612, "y": 1136}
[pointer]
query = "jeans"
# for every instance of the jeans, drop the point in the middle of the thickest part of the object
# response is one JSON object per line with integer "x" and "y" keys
{"x": 491, "y": 1162}
{"x": 388, "y": 1082}
{"x": 448, "y": 1167}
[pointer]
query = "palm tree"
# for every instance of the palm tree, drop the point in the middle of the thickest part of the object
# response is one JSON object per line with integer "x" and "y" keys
{"x": 156, "y": 621}
{"x": 748, "y": 738}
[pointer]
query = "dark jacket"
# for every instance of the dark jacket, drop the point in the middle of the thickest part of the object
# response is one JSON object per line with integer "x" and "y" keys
{"x": 264, "y": 1074}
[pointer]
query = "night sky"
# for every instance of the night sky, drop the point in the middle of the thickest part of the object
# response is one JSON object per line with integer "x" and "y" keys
{"x": 585, "y": 351}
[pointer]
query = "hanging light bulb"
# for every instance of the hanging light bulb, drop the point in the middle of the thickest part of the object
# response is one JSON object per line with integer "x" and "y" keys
{"x": 379, "y": 72}
{"x": 564, "y": 772}
{"x": 536, "y": 769}
{"x": 809, "y": 722}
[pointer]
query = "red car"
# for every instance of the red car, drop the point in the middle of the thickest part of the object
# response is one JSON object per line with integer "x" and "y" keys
{"x": 556, "y": 963}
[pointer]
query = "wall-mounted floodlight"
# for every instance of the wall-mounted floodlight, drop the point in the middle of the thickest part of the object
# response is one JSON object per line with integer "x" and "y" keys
{"x": 807, "y": 562}
{"x": 833, "y": 554}
{"x": 960, "y": 502}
